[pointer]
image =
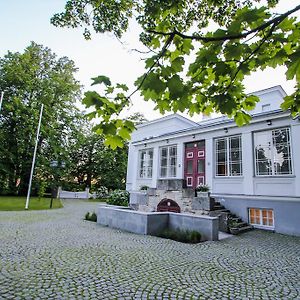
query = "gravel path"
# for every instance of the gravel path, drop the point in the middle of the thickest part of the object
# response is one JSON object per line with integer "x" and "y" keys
{"x": 56, "y": 255}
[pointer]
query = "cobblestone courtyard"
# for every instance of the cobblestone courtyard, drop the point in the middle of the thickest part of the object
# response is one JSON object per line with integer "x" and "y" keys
{"x": 56, "y": 255}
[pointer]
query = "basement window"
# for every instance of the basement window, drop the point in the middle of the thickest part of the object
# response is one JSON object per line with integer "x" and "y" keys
{"x": 261, "y": 217}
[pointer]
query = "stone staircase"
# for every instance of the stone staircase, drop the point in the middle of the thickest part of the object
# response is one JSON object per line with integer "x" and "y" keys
{"x": 228, "y": 222}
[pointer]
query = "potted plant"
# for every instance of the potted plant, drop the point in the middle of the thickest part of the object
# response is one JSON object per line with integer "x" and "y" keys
{"x": 202, "y": 190}
{"x": 144, "y": 187}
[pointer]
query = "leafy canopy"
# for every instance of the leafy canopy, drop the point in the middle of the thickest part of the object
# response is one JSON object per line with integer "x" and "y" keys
{"x": 29, "y": 79}
{"x": 189, "y": 67}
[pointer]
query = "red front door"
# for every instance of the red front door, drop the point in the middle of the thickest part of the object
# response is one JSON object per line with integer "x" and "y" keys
{"x": 194, "y": 163}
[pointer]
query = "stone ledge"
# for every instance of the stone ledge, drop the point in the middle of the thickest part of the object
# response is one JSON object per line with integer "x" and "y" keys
{"x": 153, "y": 222}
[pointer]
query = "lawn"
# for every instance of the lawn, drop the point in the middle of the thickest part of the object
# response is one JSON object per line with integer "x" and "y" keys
{"x": 10, "y": 203}
{"x": 98, "y": 200}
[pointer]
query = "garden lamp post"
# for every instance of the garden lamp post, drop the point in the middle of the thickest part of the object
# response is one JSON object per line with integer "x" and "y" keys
{"x": 1, "y": 99}
{"x": 56, "y": 164}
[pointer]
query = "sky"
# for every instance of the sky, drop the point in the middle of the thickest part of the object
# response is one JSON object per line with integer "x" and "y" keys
{"x": 23, "y": 21}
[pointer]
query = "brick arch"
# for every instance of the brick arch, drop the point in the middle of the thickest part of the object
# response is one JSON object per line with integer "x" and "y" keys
{"x": 168, "y": 205}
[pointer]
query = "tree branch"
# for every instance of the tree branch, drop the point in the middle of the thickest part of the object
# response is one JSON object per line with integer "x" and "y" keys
{"x": 161, "y": 54}
{"x": 228, "y": 37}
{"x": 255, "y": 50}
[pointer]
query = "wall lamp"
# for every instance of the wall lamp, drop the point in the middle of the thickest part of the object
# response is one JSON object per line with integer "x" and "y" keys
{"x": 269, "y": 122}
{"x": 167, "y": 141}
{"x": 193, "y": 136}
{"x": 225, "y": 129}
{"x": 145, "y": 145}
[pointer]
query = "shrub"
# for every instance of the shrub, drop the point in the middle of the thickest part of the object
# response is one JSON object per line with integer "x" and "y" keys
{"x": 183, "y": 236}
{"x": 42, "y": 189}
{"x": 90, "y": 217}
{"x": 102, "y": 192}
{"x": 202, "y": 188}
{"x": 118, "y": 197}
{"x": 144, "y": 187}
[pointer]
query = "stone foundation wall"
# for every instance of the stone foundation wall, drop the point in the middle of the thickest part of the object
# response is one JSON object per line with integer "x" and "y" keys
{"x": 185, "y": 198}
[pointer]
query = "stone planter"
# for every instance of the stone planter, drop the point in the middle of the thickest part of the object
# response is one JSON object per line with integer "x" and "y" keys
{"x": 203, "y": 194}
{"x": 202, "y": 201}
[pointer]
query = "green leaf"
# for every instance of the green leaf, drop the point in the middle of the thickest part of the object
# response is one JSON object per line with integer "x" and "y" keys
{"x": 175, "y": 86}
{"x": 124, "y": 133}
{"x": 242, "y": 118}
{"x": 287, "y": 103}
{"x": 113, "y": 141}
{"x": 124, "y": 87}
{"x": 250, "y": 102}
{"x": 101, "y": 79}
{"x": 187, "y": 46}
{"x": 153, "y": 82}
{"x": 294, "y": 67}
{"x": 177, "y": 64}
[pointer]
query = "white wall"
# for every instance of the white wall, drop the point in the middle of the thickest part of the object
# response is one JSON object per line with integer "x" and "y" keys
{"x": 247, "y": 184}
{"x": 272, "y": 96}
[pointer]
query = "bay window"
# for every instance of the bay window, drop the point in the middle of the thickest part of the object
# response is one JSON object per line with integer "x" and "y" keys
{"x": 273, "y": 152}
{"x": 168, "y": 161}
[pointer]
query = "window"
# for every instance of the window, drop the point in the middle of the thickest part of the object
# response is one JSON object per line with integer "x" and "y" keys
{"x": 146, "y": 163}
{"x": 261, "y": 217}
{"x": 265, "y": 107}
{"x": 273, "y": 152}
{"x": 168, "y": 161}
{"x": 229, "y": 156}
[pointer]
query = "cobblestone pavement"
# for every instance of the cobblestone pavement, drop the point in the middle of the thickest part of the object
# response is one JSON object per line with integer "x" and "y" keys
{"x": 56, "y": 255}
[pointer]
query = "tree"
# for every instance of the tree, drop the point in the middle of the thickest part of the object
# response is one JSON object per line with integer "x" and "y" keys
{"x": 93, "y": 164}
{"x": 191, "y": 68}
{"x": 29, "y": 79}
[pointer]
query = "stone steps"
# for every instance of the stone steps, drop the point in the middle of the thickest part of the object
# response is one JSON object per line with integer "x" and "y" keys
{"x": 229, "y": 222}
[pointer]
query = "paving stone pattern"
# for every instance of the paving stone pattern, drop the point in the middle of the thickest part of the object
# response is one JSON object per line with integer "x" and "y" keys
{"x": 56, "y": 255}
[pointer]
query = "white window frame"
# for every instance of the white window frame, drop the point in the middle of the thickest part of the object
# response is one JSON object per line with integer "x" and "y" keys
{"x": 147, "y": 166}
{"x": 228, "y": 161}
{"x": 168, "y": 166}
{"x": 261, "y": 224}
{"x": 271, "y": 146}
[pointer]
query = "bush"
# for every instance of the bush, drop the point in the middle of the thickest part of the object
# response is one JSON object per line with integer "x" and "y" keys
{"x": 42, "y": 189}
{"x": 91, "y": 217}
{"x": 118, "y": 197}
{"x": 183, "y": 236}
{"x": 202, "y": 188}
{"x": 144, "y": 187}
{"x": 101, "y": 192}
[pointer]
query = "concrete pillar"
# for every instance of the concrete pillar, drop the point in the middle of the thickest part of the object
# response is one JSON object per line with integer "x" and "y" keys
{"x": 295, "y": 148}
{"x": 248, "y": 163}
{"x": 180, "y": 161}
{"x": 155, "y": 169}
{"x": 209, "y": 163}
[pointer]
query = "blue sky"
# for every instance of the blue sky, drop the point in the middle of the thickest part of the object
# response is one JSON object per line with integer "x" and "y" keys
{"x": 22, "y": 21}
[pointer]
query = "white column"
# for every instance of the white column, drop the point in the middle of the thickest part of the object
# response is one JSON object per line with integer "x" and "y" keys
{"x": 155, "y": 170}
{"x": 180, "y": 161}
{"x": 248, "y": 163}
{"x": 295, "y": 133}
{"x": 209, "y": 163}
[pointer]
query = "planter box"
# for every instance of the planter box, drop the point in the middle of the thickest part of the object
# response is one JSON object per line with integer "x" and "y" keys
{"x": 203, "y": 194}
{"x": 203, "y": 201}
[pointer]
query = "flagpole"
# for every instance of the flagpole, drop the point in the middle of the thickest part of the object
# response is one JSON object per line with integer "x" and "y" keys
{"x": 34, "y": 156}
{"x": 1, "y": 99}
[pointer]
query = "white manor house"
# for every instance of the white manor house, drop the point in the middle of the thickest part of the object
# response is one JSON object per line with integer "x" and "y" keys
{"x": 254, "y": 170}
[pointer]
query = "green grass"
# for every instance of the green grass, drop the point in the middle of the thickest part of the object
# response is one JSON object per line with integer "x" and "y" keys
{"x": 98, "y": 200}
{"x": 12, "y": 203}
